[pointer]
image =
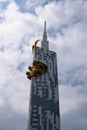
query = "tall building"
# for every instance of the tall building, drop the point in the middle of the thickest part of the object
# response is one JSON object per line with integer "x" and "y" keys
{"x": 44, "y": 96}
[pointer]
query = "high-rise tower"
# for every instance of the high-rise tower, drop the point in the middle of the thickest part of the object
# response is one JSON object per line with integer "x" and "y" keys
{"x": 44, "y": 96}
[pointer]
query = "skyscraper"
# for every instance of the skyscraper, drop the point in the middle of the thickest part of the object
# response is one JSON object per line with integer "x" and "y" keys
{"x": 44, "y": 96}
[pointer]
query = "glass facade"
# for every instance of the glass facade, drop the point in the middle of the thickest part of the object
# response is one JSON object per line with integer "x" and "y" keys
{"x": 44, "y": 101}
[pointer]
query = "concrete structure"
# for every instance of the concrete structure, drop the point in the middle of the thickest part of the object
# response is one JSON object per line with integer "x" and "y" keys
{"x": 44, "y": 96}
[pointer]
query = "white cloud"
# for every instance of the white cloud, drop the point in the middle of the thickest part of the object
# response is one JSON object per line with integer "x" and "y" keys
{"x": 71, "y": 98}
{"x": 16, "y": 26}
{"x": 32, "y": 4}
{"x": 2, "y": 102}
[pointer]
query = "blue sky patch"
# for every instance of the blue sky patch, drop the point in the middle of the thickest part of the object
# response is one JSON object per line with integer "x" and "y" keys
{"x": 4, "y": 5}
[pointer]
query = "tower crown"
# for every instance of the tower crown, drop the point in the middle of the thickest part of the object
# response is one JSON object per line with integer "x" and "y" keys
{"x": 45, "y": 43}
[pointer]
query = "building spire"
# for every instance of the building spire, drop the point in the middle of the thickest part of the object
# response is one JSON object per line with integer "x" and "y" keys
{"x": 44, "y": 26}
{"x": 45, "y": 34}
{"x": 45, "y": 43}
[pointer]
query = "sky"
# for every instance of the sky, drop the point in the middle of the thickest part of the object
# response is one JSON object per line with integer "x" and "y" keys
{"x": 21, "y": 23}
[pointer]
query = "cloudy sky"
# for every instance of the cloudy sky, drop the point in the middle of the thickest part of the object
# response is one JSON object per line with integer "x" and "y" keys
{"x": 21, "y": 23}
